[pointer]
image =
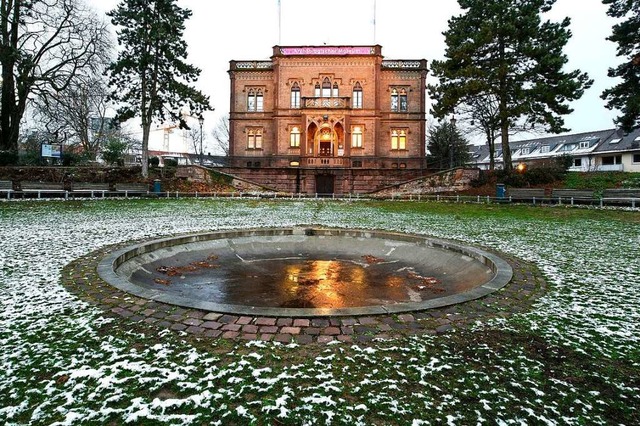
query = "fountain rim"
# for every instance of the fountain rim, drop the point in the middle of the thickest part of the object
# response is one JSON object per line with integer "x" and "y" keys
{"x": 106, "y": 269}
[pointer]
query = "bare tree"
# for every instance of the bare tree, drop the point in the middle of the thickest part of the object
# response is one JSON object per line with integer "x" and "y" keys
{"x": 80, "y": 112}
{"x": 220, "y": 135}
{"x": 44, "y": 46}
{"x": 197, "y": 140}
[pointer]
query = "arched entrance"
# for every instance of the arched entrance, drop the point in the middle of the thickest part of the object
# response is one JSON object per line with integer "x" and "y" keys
{"x": 328, "y": 141}
{"x": 325, "y": 141}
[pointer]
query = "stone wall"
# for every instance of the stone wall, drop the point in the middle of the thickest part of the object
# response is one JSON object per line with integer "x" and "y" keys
{"x": 451, "y": 181}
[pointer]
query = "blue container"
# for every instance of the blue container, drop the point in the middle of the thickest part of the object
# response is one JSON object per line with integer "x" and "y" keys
{"x": 501, "y": 190}
{"x": 157, "y": 188}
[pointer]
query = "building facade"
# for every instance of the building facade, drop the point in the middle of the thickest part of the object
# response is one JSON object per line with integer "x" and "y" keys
{"x": 328, "y": 119}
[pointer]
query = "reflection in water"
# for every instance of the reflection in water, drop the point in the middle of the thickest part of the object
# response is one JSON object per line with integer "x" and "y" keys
{"x": 337, "y": 284}
{"x": 317, "y": 283}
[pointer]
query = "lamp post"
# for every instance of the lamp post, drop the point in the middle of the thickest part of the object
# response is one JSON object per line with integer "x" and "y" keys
{"x": 201, "y": 121}
{"x": 452, "y": 140}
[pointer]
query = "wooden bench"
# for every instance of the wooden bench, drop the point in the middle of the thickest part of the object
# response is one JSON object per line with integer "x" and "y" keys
{"x": 41, "y": 188}
{"x": 90, "y": 188}
{"x": 6, "y": 186}
{"x": 574, "y": 195}
{"x": 622, "y": 196}
{"x": 526, "y": 194}
{"x": 132, "y": 188}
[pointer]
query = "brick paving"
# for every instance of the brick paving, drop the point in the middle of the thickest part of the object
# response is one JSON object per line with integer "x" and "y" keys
{"x": 81, "y": 278}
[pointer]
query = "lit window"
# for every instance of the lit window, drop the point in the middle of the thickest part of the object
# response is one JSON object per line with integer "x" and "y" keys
{"x": 356, "y": 137}
{"x": 326, "y": 88}
{"x": 255, "y": 100}
{"x": 294, "y": 138}
{"x": 254, "y": 138}
{"x": 295, "y": 96}
{"x": 399, "y": 100}
{"x": 357, "y": 96}
{"x": 398, "y": 139}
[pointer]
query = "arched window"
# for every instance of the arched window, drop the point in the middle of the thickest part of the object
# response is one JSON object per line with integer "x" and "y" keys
{"x": 356, "y": 137}
{"x": 399, "y": 100}
{"x": 317, "y": 90}
{"x": 254, "y": 138}
{"x": 326, "y": 88}
{"x": 394, "y": 99}
{"x": 398, "y": 139}
{"x": 357, "y": 96}
{"x": 403, "y": 100}
{"x": 294, "y": 137}
{"x": 255, "y": 100}
{"x": 295, "y": 96}
{"x": 336, "y": 91}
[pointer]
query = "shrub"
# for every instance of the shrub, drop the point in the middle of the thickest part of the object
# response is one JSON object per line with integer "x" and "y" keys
{"x": 154, "y": 161}
{"x": 170, "y": 162}
{"x": 8, "y": 158}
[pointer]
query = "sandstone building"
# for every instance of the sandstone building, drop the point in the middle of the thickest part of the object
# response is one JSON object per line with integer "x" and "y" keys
{"x": 327, "y": 119}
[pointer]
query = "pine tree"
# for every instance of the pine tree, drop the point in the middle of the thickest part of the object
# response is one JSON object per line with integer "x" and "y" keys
{"x": 503, "y": 49}
{"x": 150, "y": 78}
{"x": 447, "y": 147}
{"x": 625, "y": 96}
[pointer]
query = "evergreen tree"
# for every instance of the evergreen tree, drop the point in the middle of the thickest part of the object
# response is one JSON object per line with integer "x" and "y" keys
{"x": 503, "y": 49}
{"x": 447, "y": 147}
{"x": 150, "y": 78}
{"x": 625, "y": 96}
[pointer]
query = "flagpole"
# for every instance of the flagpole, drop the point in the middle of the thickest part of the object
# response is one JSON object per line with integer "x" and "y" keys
{"x": 374, "y": 22}
{"x": 279, "y": 23}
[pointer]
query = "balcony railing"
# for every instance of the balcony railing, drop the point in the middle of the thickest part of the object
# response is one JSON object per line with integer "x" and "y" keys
{"x": 326, "y": 102}
{"x": 326, "y": 161}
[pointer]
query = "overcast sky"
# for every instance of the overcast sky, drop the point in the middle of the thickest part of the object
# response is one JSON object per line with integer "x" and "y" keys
{"x": 220, "y": 31}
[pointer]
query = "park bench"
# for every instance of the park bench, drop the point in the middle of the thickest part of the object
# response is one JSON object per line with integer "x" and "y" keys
{"x": 40, "y": 188}
{"x": 622, "y": 196}
{"x": 572, "y": 195}
{"x": 6, "y": 186}
{"x": 132, "y": 188}
{"x": 526, "y": 194}
{"x": 90, "y": 188}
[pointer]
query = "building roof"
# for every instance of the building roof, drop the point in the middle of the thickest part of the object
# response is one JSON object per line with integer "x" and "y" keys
{"x": 596, "y": 142}
{"x": 621, "y": 142}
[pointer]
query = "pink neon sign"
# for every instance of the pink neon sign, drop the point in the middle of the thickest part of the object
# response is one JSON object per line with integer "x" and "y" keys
{"x": 327, "y": 50}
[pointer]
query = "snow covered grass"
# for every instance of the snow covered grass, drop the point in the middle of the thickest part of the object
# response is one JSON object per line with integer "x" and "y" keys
{"x": 575, "y": 359}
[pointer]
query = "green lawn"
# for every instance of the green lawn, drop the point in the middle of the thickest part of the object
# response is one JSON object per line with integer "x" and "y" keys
{"x": 573, "y": 359}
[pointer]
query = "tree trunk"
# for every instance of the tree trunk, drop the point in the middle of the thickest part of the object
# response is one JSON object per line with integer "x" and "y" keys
{"x": 506, "y": 149}
{"x": 8, "y": 54}
{"x": 146, "y": 129}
